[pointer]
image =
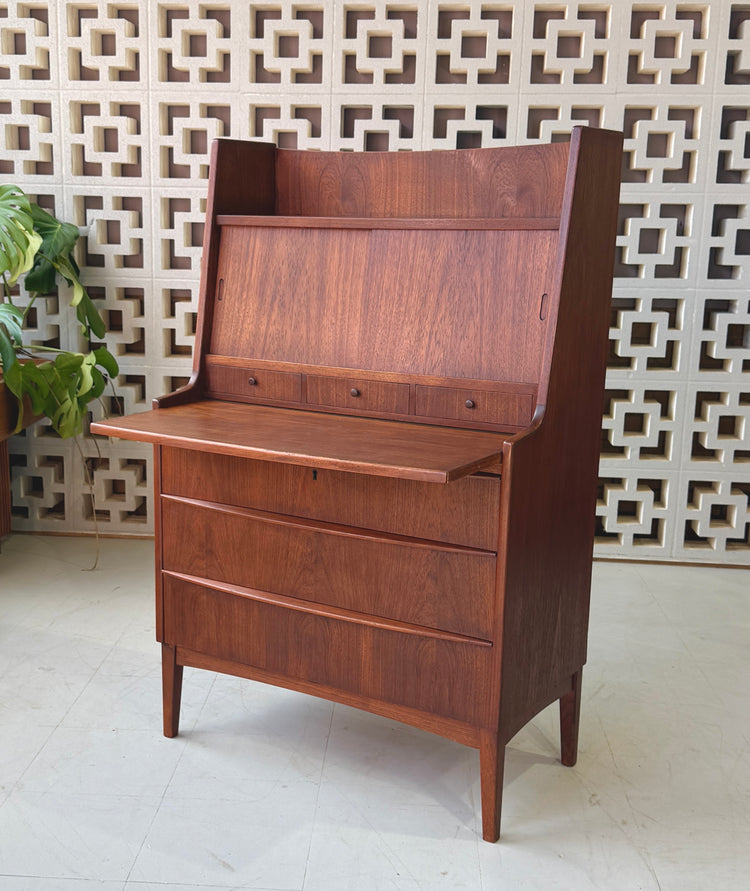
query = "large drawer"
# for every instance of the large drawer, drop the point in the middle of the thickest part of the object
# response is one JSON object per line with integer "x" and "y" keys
{"x": 424, "y": 583}
{"x": 462, "y": 512}
{"x": 438, "y": 676}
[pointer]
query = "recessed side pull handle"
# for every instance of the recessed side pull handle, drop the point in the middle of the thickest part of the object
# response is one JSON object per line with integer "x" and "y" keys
{"x": 543, "y": 306}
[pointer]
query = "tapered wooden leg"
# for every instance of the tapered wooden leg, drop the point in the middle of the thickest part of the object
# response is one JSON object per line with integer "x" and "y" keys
{"x": 491, "y": 766}
{"x": 570, "y": 713}
{"x": 171, "y": 687}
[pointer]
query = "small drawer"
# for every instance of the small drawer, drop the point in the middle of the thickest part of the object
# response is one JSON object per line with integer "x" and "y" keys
{"x": 357, "y": 393}
{"x": 250, "y": 383}
{"x": 483, "y": 406}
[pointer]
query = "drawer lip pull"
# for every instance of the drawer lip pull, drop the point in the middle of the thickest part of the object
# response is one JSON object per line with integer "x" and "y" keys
{"x": 329, "y": 612}
{"x": 329, "y": 528}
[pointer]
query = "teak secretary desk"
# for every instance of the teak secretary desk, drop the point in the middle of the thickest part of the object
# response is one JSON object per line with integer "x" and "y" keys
{"x": 378, "y": 486}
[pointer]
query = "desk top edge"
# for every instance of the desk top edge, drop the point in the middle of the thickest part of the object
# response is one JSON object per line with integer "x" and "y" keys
{"x": 339, "y": 442}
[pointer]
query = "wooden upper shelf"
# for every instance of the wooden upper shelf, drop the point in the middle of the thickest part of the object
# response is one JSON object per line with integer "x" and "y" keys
{"x": 403, "y": 223}
{"x": 312, "y": 439}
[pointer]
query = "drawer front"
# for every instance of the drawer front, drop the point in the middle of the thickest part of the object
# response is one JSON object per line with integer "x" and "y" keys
{"x": 463, "y": 512}
{"x": 483, "y": 406}
{"x": 440, "y": 677}
{"x": 434, "y": 586}
{"x": 358, "y": 393}
{"x": 252, "y": 384}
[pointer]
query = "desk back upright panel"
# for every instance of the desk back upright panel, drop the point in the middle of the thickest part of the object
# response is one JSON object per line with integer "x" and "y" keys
{"x": 378, "y": 486}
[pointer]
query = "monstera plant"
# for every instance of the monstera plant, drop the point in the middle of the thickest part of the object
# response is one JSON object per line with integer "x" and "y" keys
{"x": 57, "y": 383}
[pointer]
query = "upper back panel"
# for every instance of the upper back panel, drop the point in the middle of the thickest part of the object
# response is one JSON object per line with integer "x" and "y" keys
{"x": 493, "y": 183}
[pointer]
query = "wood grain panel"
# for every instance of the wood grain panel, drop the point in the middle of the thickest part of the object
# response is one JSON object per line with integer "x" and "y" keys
{"x": 514, "y": 182}
{"x": 399, "y": 578}
{"x": 358, "y": 393}
{"x": 253, "y": 383}
{"x": 489, "y": 406}
{"x": 312, "y": 439}
{"x": 464, "y": 512}
{"x": 347, "y": 298}
{"x": 440, "y": 677}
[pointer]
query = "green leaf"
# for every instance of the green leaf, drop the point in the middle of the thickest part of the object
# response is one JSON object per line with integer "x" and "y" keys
{"x": 85, "y": 379}
{"x": 18, "y": 240}
{"x": 88, "y": 316}
{"x": 68, "y": 363}
{"x": 11, "y": 318}
{"x": 13, "y": 378}
{"x": 67, "y": 420}
{"x": 8, "y": 356}
{"x": 100, "y": 383}
{"x": 107, "y": 361}
{"x": 58, "y": 241}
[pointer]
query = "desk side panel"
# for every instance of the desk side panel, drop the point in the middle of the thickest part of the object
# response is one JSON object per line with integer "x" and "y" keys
{"x": 549, "y": 476}
{"x": 241, "y": 180}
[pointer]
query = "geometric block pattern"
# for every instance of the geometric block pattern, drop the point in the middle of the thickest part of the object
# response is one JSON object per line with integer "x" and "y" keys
{"x": 108, "y": 110}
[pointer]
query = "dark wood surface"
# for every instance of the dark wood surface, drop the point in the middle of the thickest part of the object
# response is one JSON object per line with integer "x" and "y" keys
{"x": 378, "y": 486}
{"x": 470, "y": 184}
{"x": 389, "y": 664}
{"x": 357, "y": 569}
{"x": 402, "y": 224}
{"x": 349, "y": 298}
{"x": 463, "y": 513}
{"x": 311, "y": 439}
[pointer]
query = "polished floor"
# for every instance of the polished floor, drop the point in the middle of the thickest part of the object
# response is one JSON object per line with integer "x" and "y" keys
{"x": 268, "y": 789}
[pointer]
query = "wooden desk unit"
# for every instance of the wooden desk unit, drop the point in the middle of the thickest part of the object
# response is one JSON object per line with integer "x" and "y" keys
{"x": 378, "y": 486}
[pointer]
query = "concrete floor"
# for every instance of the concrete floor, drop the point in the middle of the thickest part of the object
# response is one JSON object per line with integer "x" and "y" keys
{"x": 269, "y": 789}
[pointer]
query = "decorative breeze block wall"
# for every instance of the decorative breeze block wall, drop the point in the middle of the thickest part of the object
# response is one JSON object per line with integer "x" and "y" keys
{"x": 108, "y": 109}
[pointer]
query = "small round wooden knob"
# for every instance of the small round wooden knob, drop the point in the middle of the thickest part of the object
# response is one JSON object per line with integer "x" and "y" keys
{"x": 252, "y": 381}
{"x": 469, "y": 403}
{"x": 354, "y": 391}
